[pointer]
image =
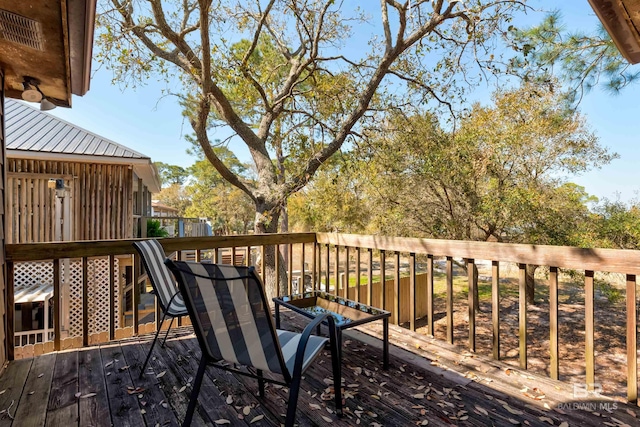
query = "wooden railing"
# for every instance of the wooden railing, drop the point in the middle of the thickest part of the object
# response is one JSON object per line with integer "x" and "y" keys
{"x": 332, "y": 260}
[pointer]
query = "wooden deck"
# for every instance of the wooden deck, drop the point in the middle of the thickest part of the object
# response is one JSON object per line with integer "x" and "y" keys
{"x": 428, "y": 383}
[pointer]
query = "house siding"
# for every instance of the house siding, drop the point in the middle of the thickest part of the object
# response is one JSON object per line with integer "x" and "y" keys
{"x": 99, "y": 198}
{"x": 3, "y": 266}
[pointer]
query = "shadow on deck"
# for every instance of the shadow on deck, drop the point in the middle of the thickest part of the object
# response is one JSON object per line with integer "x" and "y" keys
{"x": 428, "y": 383}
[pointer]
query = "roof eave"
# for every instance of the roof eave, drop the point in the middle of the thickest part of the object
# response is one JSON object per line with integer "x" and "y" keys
{"x": 615, "y": 16}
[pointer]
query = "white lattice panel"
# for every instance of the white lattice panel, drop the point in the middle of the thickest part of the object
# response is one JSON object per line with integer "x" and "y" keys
{"x": 28, "y": 273}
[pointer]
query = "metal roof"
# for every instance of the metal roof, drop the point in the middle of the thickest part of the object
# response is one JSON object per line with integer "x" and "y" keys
{"x": 29, "y": 129}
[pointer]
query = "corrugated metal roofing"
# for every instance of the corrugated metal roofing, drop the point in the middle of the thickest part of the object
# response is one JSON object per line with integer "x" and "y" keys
{"x": 30, "y": 129}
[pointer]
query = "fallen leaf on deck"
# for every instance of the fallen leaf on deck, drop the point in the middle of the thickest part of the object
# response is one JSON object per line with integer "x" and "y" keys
{"x": 246, "y": 410}
{"x": 256, "y": 419}
{"x": 422, "y": 423}
{"x": 183, "y": 388}
{"x": 514, "y": 422}
{"x": 124, "y": 368}
{"x": 327, "y": 419}
{"x": 418, "y": 396}
{"x": 222, "y": 421}
{"x": 78, "y": 394}
{"x": 507, "y": 371}
{"x": 629, "y": 411}
{"x": 142, "y": 411}
{"x": 375, "y": 396}
{"x": 161, "y": 374}
{"x": 482, "y": 410}
{"x": 108, "y": 364}
{"x": 41, "y": 375}
{"x": 88, "y": 395}
{"x": 564, "y": 424}
{"x": 546, "y": 419}
{"x": 2, "y": 391}
{"x": 314, "y": 406}
{"x": 229, "y": 400}
{"x": 514, "y": 411}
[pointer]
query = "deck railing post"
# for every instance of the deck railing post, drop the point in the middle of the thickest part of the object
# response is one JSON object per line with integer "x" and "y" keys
{"x": 522, "y": 314}
{"x": 589, "y": 323}
{"x": 430, "y": 323}
{"x": 473, "y": 302}
{"x": 449, "y": 300}
{"x": 412, "y": 291}
{"x": 10, "y": 318}
{"x": 396, "y": 289}
{"x": 85, "y": 302}
{"x": 632, "y": 345}
{"x": 554, "y": 363}
{"x": 495, "y": 307}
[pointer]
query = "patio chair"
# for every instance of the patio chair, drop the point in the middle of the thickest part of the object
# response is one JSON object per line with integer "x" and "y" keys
{"x": 164, "y": 287}
{"x": 232, "y": 321}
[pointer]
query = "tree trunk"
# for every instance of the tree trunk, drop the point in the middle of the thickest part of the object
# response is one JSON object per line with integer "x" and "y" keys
{"x": 530, "y": 271}
{"x": 267, "y": 218}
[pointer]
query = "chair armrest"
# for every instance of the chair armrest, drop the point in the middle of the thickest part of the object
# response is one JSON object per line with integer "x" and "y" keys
{"x": 304, "y": 339}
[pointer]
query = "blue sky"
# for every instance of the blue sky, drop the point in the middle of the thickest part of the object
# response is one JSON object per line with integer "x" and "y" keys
{"x": 142, "y": 120}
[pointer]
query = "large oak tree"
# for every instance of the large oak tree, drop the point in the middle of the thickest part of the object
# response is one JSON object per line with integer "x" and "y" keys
{"x": 296, "y": 80}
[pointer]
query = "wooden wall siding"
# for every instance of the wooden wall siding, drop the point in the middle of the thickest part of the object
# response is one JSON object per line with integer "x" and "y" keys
{"x": 3, "y": 284}
{"x": 100, "y": 197}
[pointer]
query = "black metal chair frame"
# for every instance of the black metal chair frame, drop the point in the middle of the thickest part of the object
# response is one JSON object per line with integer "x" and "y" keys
{"x": 165, "y": 311}
{"x": 292, "y": 381}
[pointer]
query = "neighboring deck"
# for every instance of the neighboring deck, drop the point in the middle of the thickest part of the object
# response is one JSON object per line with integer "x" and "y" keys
{"x": 99, "y": 386}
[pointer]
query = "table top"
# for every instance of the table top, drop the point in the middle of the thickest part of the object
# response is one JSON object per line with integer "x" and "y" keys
{"x": 347, "y": 313}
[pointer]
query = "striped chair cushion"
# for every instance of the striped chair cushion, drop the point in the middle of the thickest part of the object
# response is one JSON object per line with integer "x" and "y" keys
{"x": 162, "y": 280}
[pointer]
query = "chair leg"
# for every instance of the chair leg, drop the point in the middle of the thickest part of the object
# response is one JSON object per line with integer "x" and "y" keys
{"x": 335, "y": 341}
{"x": 260, "y": 382}
{"x": 144, "y": 366}
{"x": 193, "y": 400}
{"x": 294, "y": 390}
{"x": 167, "y": 334}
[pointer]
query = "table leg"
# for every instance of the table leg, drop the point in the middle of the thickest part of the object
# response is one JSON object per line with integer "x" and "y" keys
{"x": 277, "y": 308}
{"x": 385, "y": 343}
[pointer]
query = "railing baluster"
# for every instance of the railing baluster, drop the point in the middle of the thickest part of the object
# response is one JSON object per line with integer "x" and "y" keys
{"x": 554, "y": 363}
{"x": 346, "y": 272}
{"x": 337, "y": 272}
{"x": 358, "y": 272}
{"x": 247, "y": 261}
{"x": 383, "y": 280}
{"x": 495, "y": 307}
{"x": 57, "y": 328}
{"x": 589, "y": 328}
{"x": 473, "y": 301}
{"x": 11, "y": 306}
{"x": 632, "y": 345}
{"x": 262, "y": 262}
{"x": 328, "y": 272}
{"x": 430, "y": 295}
{"x": 314, "y": 266}
{"x": 290, "y": 269}
{"x": 449, "y": 300}
{"x": 85, "y": 301}
{"x": 112, "y": 298}
{"x": 396, "y": 290}
{"x": 137, "y": 268}
{"x": 276, "y": 250}
{"x": 412, "y": 291}
{"x": 301, "y": 281}
{"x": 370, "y": 278}
{"x": 522, "y": 313}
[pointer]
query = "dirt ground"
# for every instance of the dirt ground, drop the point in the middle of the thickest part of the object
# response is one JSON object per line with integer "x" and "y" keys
{"x": 610, "y": 334}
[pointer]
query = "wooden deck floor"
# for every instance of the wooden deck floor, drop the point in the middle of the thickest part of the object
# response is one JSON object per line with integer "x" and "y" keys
{"x": 99, "y": 386}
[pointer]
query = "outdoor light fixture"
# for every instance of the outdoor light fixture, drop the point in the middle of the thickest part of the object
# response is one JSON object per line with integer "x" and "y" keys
{"x": 32, "y": 93}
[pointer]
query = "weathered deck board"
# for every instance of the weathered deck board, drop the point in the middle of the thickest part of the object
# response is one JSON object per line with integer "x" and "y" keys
{"x": 32, "y": 407}
{"x": 153, "y": 400}
{"x": 93, "y": 408}
{"x": 63, "y": 403}
{"x": 125, "y": 410}
{"x": 12, "y": 383}
{"x": 448, "y": 387}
